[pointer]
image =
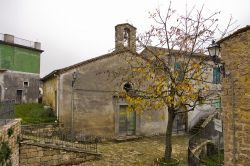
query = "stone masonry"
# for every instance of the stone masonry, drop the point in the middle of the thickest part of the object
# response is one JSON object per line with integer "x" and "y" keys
{"x": 41, "y": 154}
{"x": 235, "y": 52}
{"x": 10, "y": 133}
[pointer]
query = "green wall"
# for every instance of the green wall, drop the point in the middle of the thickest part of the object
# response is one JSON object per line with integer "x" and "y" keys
{"x": 19, "y": 59}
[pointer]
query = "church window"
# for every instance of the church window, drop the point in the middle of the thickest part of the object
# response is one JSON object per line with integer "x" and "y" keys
{"x": 127, "y": 86}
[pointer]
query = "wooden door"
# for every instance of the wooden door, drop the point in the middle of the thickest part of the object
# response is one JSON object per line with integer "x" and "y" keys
{"x": 19, "y": 96}
{"x": 127, "y": 121}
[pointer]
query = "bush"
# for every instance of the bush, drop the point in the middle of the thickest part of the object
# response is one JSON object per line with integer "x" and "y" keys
{"x": 213, "y": 160}
{"x": 5, "y": 152}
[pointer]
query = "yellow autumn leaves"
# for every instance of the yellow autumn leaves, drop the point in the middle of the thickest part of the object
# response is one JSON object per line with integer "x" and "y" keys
{"x": 159, "y": 88}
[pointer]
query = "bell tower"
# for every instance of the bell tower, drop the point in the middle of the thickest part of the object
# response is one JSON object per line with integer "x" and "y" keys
{"x": 125, "y": 37}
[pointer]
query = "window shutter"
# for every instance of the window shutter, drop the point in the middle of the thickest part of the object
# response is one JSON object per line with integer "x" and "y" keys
{"x": 178, "y": 68}
{"x": 216, "y": 75}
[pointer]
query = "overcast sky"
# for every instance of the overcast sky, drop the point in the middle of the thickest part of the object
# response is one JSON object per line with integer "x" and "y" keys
{"x": 71, "y": 31}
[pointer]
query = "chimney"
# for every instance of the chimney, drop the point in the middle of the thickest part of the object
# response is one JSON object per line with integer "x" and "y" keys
{"x": 8, "y": 38}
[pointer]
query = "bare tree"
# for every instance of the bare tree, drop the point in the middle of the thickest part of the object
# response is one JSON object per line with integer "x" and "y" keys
{"x": 172, "y": 70}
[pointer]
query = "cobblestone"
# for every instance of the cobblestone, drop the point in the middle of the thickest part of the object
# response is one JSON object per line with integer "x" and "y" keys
{"x": 139, "y": 152}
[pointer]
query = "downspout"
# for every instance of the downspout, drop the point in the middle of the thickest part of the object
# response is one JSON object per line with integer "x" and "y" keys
{"x": 57, "y": 96}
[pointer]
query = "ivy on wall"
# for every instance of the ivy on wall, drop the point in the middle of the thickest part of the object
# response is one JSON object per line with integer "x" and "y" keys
{"x": 10, "y": 132}
{"x": 5, "y": 153}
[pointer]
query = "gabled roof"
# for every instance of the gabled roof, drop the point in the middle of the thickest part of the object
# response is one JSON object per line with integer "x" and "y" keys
{"x": 158, "y": 49}
{"x": 62, "y": 70}
{"x": 244, "y": 29}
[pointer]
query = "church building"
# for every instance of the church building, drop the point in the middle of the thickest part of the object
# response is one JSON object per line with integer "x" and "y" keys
{"x": 85, "y": 96}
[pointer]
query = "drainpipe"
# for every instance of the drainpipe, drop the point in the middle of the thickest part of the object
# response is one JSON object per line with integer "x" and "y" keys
{"x": 57, "y": 96}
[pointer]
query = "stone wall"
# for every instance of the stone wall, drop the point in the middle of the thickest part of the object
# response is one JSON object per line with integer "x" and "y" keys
{"x": 10, "y": 133}
{"x": 43, "y": 129}
{"x": 235, "y": 52}
{"x": 42, "y": 154}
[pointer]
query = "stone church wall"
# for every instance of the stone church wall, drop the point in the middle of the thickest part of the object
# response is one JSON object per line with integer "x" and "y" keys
{"x": 10, "y": 133}
{"x": 235, "y": 52}
{"x": 93, "y": 99}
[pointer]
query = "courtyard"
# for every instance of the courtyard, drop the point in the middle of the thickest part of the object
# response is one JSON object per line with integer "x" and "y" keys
{"x": 139, "y": 152}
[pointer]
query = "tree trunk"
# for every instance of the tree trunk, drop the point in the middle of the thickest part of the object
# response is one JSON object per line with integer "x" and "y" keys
{"x": 168, "y": 144}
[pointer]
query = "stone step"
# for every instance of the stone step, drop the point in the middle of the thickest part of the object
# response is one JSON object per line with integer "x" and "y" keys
{"x": 127, "y": 138}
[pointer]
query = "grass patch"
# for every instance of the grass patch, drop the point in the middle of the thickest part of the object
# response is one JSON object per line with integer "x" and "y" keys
{"x": 34, "y": 113}
{"x": 214, "y": 160}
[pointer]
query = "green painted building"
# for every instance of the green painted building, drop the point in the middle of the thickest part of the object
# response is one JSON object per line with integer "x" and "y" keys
{"x": 17, "y": 57}
{"x": 19, "y": 69}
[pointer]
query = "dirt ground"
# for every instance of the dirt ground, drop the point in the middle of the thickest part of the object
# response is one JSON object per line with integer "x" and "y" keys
{"x": 139, "y": 152}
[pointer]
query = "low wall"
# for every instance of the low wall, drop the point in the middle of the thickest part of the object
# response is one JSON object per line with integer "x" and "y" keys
{"x": 10, "y": 133}
{"x": 43, "y": 154}
{"x": 43, "y": 129}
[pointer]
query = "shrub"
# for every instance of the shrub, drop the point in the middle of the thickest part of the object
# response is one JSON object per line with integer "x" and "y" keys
{"x": 5, "y": 152}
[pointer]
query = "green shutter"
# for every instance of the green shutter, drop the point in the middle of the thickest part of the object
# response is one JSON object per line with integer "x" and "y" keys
{"x": 178, "y": 68}
{"x": 216, "y": 103}
{"x": 216, "y": 75}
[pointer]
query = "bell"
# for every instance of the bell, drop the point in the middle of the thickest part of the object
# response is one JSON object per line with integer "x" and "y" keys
{"x": 125, "y": 35}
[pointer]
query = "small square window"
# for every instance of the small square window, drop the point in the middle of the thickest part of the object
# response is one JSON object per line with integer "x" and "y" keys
{"x": 26, "y": 84}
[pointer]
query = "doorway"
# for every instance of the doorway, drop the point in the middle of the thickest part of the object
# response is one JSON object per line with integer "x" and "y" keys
{"x": 19, "y": 96}
{"x": 180, "y": 123}
{"x": 127, "y": 121}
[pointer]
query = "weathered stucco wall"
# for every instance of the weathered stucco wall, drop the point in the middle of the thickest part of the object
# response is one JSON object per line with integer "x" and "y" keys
{"x": 235, "y": 52}
{"x": 50, "y": 92}
{"x": 91, "y": 106}
{"x": 93, "y": 102}
{"x": 153, "y": 122}
{"x": 13, "y": 81}
{"x": 207, "y": 68}
{"x": 10, "y": 133}
{"x": 19, "y": 59}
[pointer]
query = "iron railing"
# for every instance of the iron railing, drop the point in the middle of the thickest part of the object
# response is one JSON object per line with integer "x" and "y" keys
{"x": 20, "y": 41}
{"x": 7, "y": 111}
{"x": 198, "y": 116}
{"x": 198, "y": 143}
{"x": 59, "y": 136}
